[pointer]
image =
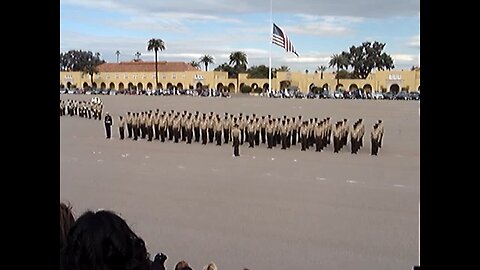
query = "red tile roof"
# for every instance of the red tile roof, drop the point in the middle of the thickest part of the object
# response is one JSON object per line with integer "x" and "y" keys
{"x": 163, "y": 66}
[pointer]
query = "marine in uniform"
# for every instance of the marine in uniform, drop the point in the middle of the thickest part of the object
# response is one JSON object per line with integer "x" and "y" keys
{"x": 129, "y": 124}
{"x": 269, "y": 130}
{"x": 203, "y": 127}
{"x": 236, "y": 141}
{"x": 375, "y": 139}
{"x": 121, "y": 127}
{"x": 108, "y": 125}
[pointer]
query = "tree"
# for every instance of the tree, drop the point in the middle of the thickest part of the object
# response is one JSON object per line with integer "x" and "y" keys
{"x": 225, "y": 67}
{"x": 281, "y": 69}
{"x": 240, "y": 60}
{"x": 74, "y": 60}
{"x": 321, "y": 69}
{"x": 118, "y": 54}
{"x": 206, "y": 59}
{"x": 195, "y": 64}
{"x": 91, "y": 65}
{"x": 364, "y": 58}
{"x": 258, "y": 72}
{"x": 156, "y": 44}
{"x": 339, "y": 61}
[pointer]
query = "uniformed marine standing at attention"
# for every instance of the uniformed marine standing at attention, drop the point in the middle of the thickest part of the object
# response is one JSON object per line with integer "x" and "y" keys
{"x": 375, "y": 138}
{"x": 108, "y": 125}
{"x": 380, "y": 129}
{"x": 129, "y": 125}
{"x": 236, "y": 140}
{"x": 121, "y": 127}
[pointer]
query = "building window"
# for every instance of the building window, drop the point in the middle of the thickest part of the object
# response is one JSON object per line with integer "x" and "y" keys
{"x": 394, "y": 77}
{"x": 164, "y": 76}
{"x": 183, "y": 76}
{"x": 134, "y": 76}
{"x": 153, "y": 76}
{"x": 144, "y": 76}
{"x": 117, "y": 76}
{"x": 107, "y": 77}
{"x": 125, "y": 76}
{"x": 174, "y": 76}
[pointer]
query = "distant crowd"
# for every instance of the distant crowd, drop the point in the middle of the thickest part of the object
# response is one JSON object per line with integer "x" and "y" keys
{"x": 103, "y": 240}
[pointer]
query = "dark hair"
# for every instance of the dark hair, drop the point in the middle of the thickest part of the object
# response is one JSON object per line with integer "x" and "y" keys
{"x": 182, "y": 265}
{"x": 104, "y": 241}
{"x": 66, "y": 222}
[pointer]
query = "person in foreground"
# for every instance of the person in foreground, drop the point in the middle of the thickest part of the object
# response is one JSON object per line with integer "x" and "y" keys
{"x": 66, "y": 222}
{"x": 103, "y": 241}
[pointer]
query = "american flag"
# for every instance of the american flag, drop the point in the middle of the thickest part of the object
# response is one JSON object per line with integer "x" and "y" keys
{"x": 280, "y": 38}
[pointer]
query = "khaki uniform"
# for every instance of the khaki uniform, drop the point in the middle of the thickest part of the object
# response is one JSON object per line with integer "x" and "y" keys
{"x": 236, "y": 141}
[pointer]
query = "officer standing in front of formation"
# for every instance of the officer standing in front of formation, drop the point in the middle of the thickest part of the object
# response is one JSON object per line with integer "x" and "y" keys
{"x": 121, "y": 127}
{"x": 236, "y": 140}
{"x": 375, "y": 138}
{"x": 108, "y": 125}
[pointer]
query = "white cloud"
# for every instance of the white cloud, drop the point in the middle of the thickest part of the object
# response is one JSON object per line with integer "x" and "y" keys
{"x": 354, "y": 8}
{"x": 404, "y": 58}
{"x": 414, "y": 42}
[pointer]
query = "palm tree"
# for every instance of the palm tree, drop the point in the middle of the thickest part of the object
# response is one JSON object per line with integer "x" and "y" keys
{"x": 321, "y": 69}
{"x": 118, "y": 54}
{"x": 339, "y": 61}
{"x": 206, "y": 59}
{"x": 195, "y": 64}
{"x": 137, "y": 55}
{"x": 156, "y": 44}
{"x": 240, "y": 60}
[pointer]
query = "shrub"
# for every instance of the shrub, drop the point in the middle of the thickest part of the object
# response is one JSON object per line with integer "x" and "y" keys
{"x": 246, "y": 89}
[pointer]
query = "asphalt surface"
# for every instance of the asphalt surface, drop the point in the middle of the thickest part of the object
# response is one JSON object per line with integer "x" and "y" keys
{"x": 268, "y": 208}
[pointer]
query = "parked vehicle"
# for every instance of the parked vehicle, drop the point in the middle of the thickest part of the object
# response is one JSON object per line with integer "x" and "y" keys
{"x": 414, "y": 95}
{"x": 377, "y": 95}
{"x": 402, "y": 95}
{"x": 338, "y": 94}
{"x": 311, "y": 95}
{"x": 388, "y": 95}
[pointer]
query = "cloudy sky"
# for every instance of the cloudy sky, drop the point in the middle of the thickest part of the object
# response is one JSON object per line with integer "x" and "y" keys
{"x": 192, "y": 28}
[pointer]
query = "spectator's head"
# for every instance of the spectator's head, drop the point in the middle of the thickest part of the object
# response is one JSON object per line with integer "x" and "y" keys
{"x": 182, "y": 265}
{"x": 210, "y": 266}
{"x": 66, "y": 222}
{"x": 103, "y": 240}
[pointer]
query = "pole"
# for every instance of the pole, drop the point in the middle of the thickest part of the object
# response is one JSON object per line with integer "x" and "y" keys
{"x": 270, "y": 57}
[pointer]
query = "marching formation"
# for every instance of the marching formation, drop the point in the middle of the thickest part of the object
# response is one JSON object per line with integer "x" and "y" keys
{"x": 211, "y": 128}
{"x": 86, "y": 109}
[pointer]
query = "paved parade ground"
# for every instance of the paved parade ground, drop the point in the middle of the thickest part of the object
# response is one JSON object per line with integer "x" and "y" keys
{"x": 268, "y": 208}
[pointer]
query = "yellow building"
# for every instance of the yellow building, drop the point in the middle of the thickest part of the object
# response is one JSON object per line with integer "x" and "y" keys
{"x": 181, "y": 75}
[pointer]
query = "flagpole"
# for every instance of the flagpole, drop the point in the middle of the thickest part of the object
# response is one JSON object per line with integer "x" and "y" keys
{"x": 270, "y": 57}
